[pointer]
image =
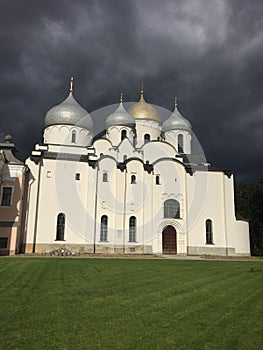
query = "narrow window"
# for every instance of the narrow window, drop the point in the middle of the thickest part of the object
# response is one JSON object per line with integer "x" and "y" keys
{"x": 133, "y": 179}
{"x": 105, "y": 177}
{"x": 180, "y": 143}
{"x": 123, "y": 134}
{"x": 147, "y": 138}
{"x": 3, "y": 242}
{"x": 104, "y": 228}
{"x": 60, "y": 227}
{"x": 132, "y": 229}
{"x": 172, "y": 209}
{"x": 157, "y": 180}
{"x": 124, "y": 157}
{"x": 6, "y": 196}
{"x": 73, "y": 136}
{"x": 209, "y": 231}
{"x": 77, "y": 176}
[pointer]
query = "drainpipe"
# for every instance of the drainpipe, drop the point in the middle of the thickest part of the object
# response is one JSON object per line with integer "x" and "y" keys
{"x": 225, "y": 224}
{"x": 186, "y": 215}
{"x": 95, "y": 212}
{"x": 124, "y": 209}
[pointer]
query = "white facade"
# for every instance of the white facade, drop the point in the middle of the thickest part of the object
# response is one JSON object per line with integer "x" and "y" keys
{"x": 128, "y": 192}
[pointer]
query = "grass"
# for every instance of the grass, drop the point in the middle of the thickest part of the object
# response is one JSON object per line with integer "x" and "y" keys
{"x": 74, "y": 303}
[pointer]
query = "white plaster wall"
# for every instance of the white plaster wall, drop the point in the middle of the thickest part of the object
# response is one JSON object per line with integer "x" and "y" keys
{"x": 114, "y": 134}
{"x": 153, "y": 151}
{"x": 237, "y": 231}
{"x": 60, "y": 192}
{"x": 102, "y": 146}
{"x": 62, "y": 135}
{"x": 146, "y": 127}
{"x": 171, "y": 136}
{"x": 209, "y": 207}
{"x": 31, "y": 200}
{"x": 171, "y": 187}
{"x": 126, "y": 149}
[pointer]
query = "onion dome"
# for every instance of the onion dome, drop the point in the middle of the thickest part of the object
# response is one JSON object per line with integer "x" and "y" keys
{"x": 69, "y": 112}
{"x": 120, "y": 117}
{"x": 176, "y": 121}
{"x": 143, "y": 110}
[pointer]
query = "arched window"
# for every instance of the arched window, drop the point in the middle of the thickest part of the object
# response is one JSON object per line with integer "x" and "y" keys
{"x": 105, "y": 177}
{"x": 157, "y": 180}
{"x": 147, "y": 138}
{"x": 132, "y": 229}
{"x": 133, "y": 179}
{"x": 180, "y": 143}
{"x": 60, "y": 227}
{"x": 104, "y": 228}
{"x": 209, "y": 231}
{"x": 123, "y": 134}
{"x": 73, "y": 136}
{"x": 172, "y": 209}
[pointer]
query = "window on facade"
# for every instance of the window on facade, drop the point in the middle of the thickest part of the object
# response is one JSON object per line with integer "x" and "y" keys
{"x": 180, "y": 143}
{"x": 157, "y": 179}
{"x": 172, "y": 209}
{"x": 3, "y": 242}
{"x": 60, "y": 227}
{"x": 6, "y": 196}
{"x": 104, "y": 228}
{"x": 123, "y": 134}
{"x": 133, "y": 179}
{"x": 147, "y": 138}
{"x": 77, "y": 176}
{"x": 209, "y": 231}
{"x": 132, "y": 229}
{"x": 124, "y": 157}
{"x": 105, "y": 177}
{"x": 73, "y": 136}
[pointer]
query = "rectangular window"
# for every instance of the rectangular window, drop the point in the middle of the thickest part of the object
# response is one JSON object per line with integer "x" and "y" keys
{"x": 3, "y": 242}
{"x": 48, "y": 174}
{"x": 6, "y": 196}
{"x": 77, "y": 176}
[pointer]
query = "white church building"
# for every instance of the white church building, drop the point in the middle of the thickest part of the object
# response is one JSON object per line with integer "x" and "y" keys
{"x": 136, "y": 188}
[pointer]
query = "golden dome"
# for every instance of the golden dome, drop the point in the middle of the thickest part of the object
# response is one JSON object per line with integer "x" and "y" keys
{"x": 143, "y": 110}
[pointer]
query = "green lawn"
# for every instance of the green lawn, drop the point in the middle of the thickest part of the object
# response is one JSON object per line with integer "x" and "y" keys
{"x": 75, "y": 303}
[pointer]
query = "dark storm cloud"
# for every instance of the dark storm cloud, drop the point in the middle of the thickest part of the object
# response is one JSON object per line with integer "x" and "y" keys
{"x": 208, "y": 53}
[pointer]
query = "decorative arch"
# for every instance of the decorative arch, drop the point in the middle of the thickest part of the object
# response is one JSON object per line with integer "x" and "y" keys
{"x": 171, "y": 222}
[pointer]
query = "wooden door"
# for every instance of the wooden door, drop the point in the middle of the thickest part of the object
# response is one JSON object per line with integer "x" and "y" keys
{"x": 169, "y": 240}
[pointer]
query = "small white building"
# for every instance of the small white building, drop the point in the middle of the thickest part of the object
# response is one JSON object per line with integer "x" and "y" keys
{"x": 137, "y": 189}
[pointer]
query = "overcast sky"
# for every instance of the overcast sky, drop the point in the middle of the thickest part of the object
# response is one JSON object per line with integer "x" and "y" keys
{"x": 208, "y": 53}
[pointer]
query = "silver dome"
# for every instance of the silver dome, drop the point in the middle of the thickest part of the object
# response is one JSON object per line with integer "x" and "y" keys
{"x": 120, "y": 117}
{"x": 69, "y": 112}
{"x": 176, "y": 122}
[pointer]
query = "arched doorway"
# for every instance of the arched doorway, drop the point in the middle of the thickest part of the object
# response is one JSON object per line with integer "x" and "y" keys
{"x": 169, "y": 240}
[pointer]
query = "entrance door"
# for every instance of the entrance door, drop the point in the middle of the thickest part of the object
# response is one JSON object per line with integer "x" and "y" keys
{"x": 169, "y": 240}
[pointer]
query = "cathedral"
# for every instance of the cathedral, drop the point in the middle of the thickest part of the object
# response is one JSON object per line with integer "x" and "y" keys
{"x": 135, "y": 188}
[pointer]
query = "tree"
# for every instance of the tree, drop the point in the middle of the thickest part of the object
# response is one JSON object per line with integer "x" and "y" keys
{"x": 249, "y": 204}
